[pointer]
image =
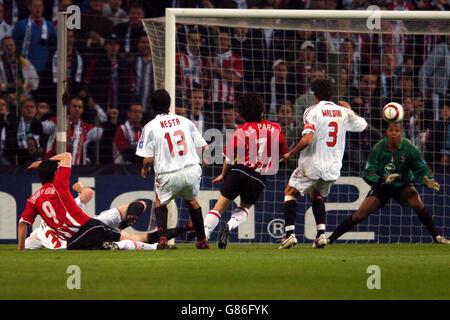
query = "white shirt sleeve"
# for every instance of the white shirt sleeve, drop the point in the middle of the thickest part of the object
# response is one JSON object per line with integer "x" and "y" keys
{"x": 196, "y": 136}
{"x": 355, "y": 123}
{"x": 146, "y": 144}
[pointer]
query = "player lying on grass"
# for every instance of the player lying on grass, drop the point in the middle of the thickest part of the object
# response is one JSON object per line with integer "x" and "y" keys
{"x": 169, "y": 143}
{"x": 322, "y": 147}
{"x": 66, "y": 225}
{"x": 249, "y": 155}
{"x": 393, "y": 164}
{"x": 43, "y": 237}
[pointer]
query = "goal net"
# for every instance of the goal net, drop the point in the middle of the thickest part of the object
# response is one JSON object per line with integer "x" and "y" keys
{"x": 207, "y": 58}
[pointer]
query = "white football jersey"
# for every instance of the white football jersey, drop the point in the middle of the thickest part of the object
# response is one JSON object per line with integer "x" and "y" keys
{"x": 330, "y": 123}
{"x": 172, "y": 141}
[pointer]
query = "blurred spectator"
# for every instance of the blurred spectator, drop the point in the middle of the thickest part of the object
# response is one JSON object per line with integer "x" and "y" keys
{"x": 359, "y": 5}
{"x": 43, "y": 111}
{"x": 401, "y": 5}
{"x": 22, "y": 146}
{"x": 110, "y": 80}
{"x": 405, "y": 87}
{"x": 53, "y": 7}
{"x": 202, "y": 120}
{"x": 285, "y": 118}
{"x": 16, "y": 72}
{"x": 228, "y": 118}
{"x": 226, "y": 74}
{"x": 94, "y": 113}
{"x": 387, "y": 76}
{"x": 79, "y": 133}
{"x": 129, "y": 32}
{"x": 279, "y": 89}
{"x": 438, "y": 146}
{"x": 305, "y": 63}
{"x": 343, "y": 90}
{"x": 143, "y": 69}
{"x": 182, "y": 110}
{"x": 434, "y": 75}
{"x": 5, "y": 28}
{"x": 95, "y": 28}
{"x": 35, "y": 36}
{"x": 410, "y": 129}
{"x": 350, "y": 61}
{"x": 246, "y": 42}
{"x": 75, "y": 68}
{"x": 113, "y": 11}
{"x": 127, "y": 136}
{"x": 105, "y": 145}
{"x": 190, "y": 65}
{"x": 442, "y": 5}
{"x": 4, "y": 122}
{"x": 307, "y": 99}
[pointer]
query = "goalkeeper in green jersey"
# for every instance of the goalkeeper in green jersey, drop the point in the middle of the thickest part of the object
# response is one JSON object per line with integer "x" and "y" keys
{"x": 393, "y": 164}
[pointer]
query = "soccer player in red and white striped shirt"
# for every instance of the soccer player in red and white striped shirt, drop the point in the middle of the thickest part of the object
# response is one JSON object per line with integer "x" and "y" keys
{"x": 64, "y": 219}
{"x": 252, "y": 152}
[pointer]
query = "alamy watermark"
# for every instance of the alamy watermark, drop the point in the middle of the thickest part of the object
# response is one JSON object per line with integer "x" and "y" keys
{"x": 374, "y": 280}
{"x": 74, "y": 280}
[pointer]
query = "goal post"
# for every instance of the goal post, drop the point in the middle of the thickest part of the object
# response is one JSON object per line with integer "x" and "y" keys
{"x": 389, "y": 40}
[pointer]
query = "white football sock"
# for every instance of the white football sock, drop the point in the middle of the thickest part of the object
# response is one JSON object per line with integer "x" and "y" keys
{"x": 238, "y": 216}
{"x": 211, "y": 221}
{"x": 135, "y": 245}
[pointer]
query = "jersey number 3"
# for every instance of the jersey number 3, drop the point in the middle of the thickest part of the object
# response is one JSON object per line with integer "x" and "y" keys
{"x": 180, "y": 142}
{"x": 333, "y": 134}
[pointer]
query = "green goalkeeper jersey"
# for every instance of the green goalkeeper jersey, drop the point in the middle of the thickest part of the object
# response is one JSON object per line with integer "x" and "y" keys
{"x": 406, "y": 161}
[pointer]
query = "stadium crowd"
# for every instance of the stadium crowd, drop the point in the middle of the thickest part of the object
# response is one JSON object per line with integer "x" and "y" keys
{"x": 110, "y": 76}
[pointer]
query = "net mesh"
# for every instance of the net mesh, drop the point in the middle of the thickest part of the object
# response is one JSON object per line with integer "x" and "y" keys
{"x": 402, "y": 61}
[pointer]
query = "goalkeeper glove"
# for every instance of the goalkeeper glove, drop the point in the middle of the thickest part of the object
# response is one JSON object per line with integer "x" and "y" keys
{"x": 431, "y": 183}
{"x": 391, "y": 177}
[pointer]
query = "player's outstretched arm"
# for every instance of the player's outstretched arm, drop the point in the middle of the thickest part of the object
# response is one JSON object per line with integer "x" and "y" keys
{"x": 146, "y": 167}
{"x": 22, "y": 231}
{"x": 221, "y": 176}
{"x": 305, "y": 141}
{"x": 431, "y": 183}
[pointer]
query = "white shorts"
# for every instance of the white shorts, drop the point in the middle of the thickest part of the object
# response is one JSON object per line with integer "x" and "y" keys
{"x": 303, "y": 183}
{"x": 184, "y": 183}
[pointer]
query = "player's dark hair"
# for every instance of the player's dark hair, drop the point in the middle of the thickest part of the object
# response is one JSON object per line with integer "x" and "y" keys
{"x": 47, "y": 170}
{"x": 323, "y": 89}
{"x": 160, "y": 101}
{"x": 250, "y": 106}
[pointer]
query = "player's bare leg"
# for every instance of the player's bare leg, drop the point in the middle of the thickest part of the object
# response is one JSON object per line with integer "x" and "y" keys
{"x": 161, "y": 214}
{"x": 368, "y": 206}
{"x": 411, "y": 198}
{"x": 195, "y": 211}
{"x": 318, "y": 207}
{"x": 290, "y": 213}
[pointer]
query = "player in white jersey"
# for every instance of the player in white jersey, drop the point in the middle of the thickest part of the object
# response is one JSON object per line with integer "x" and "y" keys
{"x": 322, "y": 148}
{"x": 169, "y": 142}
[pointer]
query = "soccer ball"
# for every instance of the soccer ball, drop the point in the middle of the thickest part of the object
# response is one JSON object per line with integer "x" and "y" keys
{"x": 393, "y": 112}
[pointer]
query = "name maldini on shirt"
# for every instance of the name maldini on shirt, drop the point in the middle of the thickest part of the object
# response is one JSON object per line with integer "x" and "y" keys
{"x": 331, "y": 113}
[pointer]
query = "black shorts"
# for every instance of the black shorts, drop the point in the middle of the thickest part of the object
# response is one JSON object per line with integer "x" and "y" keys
{"x": 91, "y": 236}
{"x": 244, "y": 182}
{"x": 385, "y": 192}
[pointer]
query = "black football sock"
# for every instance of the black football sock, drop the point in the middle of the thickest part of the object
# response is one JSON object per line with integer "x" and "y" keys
{"x": 344, "y": 227}
{"x": 318, "y": 207}
{"x": 427, "y": 220}
{"x": 197, "y": 222}
{"x": 290, "y": 213}
{"x": 161, "y": 219}
{"x": 153, "y": 237}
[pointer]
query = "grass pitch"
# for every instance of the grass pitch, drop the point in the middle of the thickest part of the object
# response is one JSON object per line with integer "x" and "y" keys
{"x": 240, "y": 272}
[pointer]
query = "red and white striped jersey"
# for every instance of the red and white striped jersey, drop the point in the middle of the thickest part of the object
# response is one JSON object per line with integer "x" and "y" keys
{"x": 329, "y": 122}
{"x": 257, "y": 145}
{"x": 56, "y": 205}
{"x": 189, "y": 71}
{"x": 223, "y": 90}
